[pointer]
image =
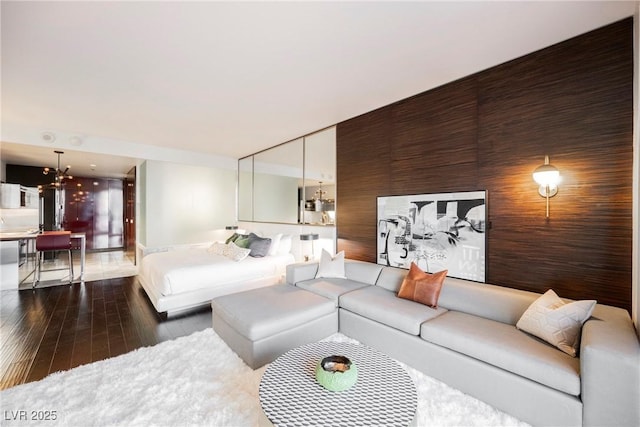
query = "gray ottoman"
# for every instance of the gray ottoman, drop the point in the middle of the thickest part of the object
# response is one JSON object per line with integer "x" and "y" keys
{"x": 262, "y": 324}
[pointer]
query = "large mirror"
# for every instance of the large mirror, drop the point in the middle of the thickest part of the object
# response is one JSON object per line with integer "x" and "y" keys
{"x": 291, "y": 183}
{"x": 276, "y": 174}
{"x": 320, "y": 177}
{"x": 245, "y": 189}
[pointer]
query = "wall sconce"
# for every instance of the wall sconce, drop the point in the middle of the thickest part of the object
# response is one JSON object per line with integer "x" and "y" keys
{"x": 310, "y": 237}
{"x": 547, "y": 176}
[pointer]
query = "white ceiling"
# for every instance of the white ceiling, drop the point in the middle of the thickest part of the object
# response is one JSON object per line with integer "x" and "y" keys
{"x": 232, "y": 78}
{"x": 82, "y": 163}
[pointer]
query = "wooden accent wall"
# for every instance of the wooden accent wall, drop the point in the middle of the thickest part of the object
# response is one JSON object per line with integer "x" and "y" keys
{"x": 489, "y": 131}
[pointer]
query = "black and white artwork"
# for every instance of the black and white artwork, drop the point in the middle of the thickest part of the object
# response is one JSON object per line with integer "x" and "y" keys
{"x": 444, "y": 231}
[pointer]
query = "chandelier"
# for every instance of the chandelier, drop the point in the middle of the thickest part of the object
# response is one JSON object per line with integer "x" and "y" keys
{"x": 60, "y": 175}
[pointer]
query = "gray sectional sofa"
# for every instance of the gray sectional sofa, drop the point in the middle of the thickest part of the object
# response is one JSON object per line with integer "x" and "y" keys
{"x": 469, "y": 342}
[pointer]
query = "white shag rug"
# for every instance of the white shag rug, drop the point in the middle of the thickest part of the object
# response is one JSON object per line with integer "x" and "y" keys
{"x": 194, "y": 380}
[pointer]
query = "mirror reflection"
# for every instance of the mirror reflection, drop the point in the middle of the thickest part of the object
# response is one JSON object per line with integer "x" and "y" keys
{"x": 276, "y": 174}
{"x": 245, "y": 189}
{"x": 290, "y": 183}
{"x": 319, "y": 180}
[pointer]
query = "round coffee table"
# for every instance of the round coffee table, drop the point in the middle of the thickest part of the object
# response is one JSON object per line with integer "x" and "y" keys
{"x": 383, "y": 395}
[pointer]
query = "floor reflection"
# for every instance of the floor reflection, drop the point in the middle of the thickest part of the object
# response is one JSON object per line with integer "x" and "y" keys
{"x": 98, "y": 266}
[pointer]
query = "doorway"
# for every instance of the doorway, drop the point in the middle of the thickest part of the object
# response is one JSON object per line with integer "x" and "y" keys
{"x": 130, "y": 215}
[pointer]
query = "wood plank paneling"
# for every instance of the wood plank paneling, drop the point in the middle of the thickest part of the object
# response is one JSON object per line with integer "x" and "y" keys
{"x": 363, "y": 161}
{"x": 571, "y": 101}
{"x": 434, "y": 136}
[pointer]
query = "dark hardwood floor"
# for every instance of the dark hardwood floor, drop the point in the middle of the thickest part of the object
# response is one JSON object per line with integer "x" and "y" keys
{"x": 61, "y": 327}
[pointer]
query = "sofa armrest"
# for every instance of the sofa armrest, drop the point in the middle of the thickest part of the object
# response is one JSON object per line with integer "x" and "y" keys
{"x": 610, "y": 369}
{"x": 300, "y": 271}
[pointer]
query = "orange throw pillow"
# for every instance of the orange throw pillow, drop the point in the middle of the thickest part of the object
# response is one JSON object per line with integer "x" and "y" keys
{"x": 422, "y": 287}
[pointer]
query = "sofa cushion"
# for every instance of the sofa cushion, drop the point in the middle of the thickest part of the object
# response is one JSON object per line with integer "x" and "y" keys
{"x": 557, "y": 322}
{"x": 505, "y": 347}
{"x": 361, "y": 271}
{"x": 331, "y": 288}
{"x": 422, "y": 287}
{"x": 263, "y": 312}
{"x": 385, "y": 307}
{"x": 298, "y": 272}
{"x": 391, "y": 278}
{"x": 493, "y": 302}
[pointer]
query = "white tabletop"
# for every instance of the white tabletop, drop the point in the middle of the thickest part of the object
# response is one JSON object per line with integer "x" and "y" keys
{"x": 18, "y": 235}
{"x": 383, "y": 395}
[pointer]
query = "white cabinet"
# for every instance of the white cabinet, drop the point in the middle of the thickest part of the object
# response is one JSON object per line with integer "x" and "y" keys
{"x": 13, "y": 196}
{"x": 9, "y": 264}
{"x": 30, "y": 197}
{"x": 9, "y": 196}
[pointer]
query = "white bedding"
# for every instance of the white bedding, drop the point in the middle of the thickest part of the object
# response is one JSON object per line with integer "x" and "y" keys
{"x": 175, "y": 272}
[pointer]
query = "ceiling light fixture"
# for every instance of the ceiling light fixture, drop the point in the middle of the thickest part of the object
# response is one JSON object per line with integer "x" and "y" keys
{"x": 60, "y": 175}
{"x": 48, "y": 137}
{"x": 56, "y": 185}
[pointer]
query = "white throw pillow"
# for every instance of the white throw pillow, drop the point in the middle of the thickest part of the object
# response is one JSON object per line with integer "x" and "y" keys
{"x": 275, "y": 244}
{"x": 558, "y": 323}
{"x": 285, "y": 244}
{"x": 331, "y": 266}
{"x": 236, "y": 253}
{"x": 218, "y": 248}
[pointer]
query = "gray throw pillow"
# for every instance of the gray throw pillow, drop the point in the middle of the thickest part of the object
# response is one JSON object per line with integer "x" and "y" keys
{"x": 259, "y": 245}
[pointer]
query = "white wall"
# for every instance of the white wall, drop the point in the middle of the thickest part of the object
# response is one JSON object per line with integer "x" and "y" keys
{"x": 184, "y": 204}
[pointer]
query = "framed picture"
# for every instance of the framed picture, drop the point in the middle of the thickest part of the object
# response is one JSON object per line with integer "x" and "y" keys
{"x": 443, "y": 231}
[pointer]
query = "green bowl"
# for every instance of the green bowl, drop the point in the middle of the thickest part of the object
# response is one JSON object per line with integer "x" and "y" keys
{"x": 336, "y": 373}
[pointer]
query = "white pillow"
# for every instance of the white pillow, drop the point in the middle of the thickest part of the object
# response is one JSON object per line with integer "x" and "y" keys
{"x": 331, "y": 266}
{"x": 275, "y": 243}
{"x": 285, "y": 244}
{"x": 218, "y": 248}
{"x": 236, "y": 253}
{"x": 558, "y": 323}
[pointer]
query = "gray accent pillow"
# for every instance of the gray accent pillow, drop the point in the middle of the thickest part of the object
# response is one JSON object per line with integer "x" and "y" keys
{"x": 259, "y": 245}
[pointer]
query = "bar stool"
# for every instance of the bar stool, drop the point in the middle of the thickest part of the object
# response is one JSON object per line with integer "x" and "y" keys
{"x": 51, "y": 241}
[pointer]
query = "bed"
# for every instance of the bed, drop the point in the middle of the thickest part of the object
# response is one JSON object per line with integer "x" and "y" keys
{"x": 184, "y": 279}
